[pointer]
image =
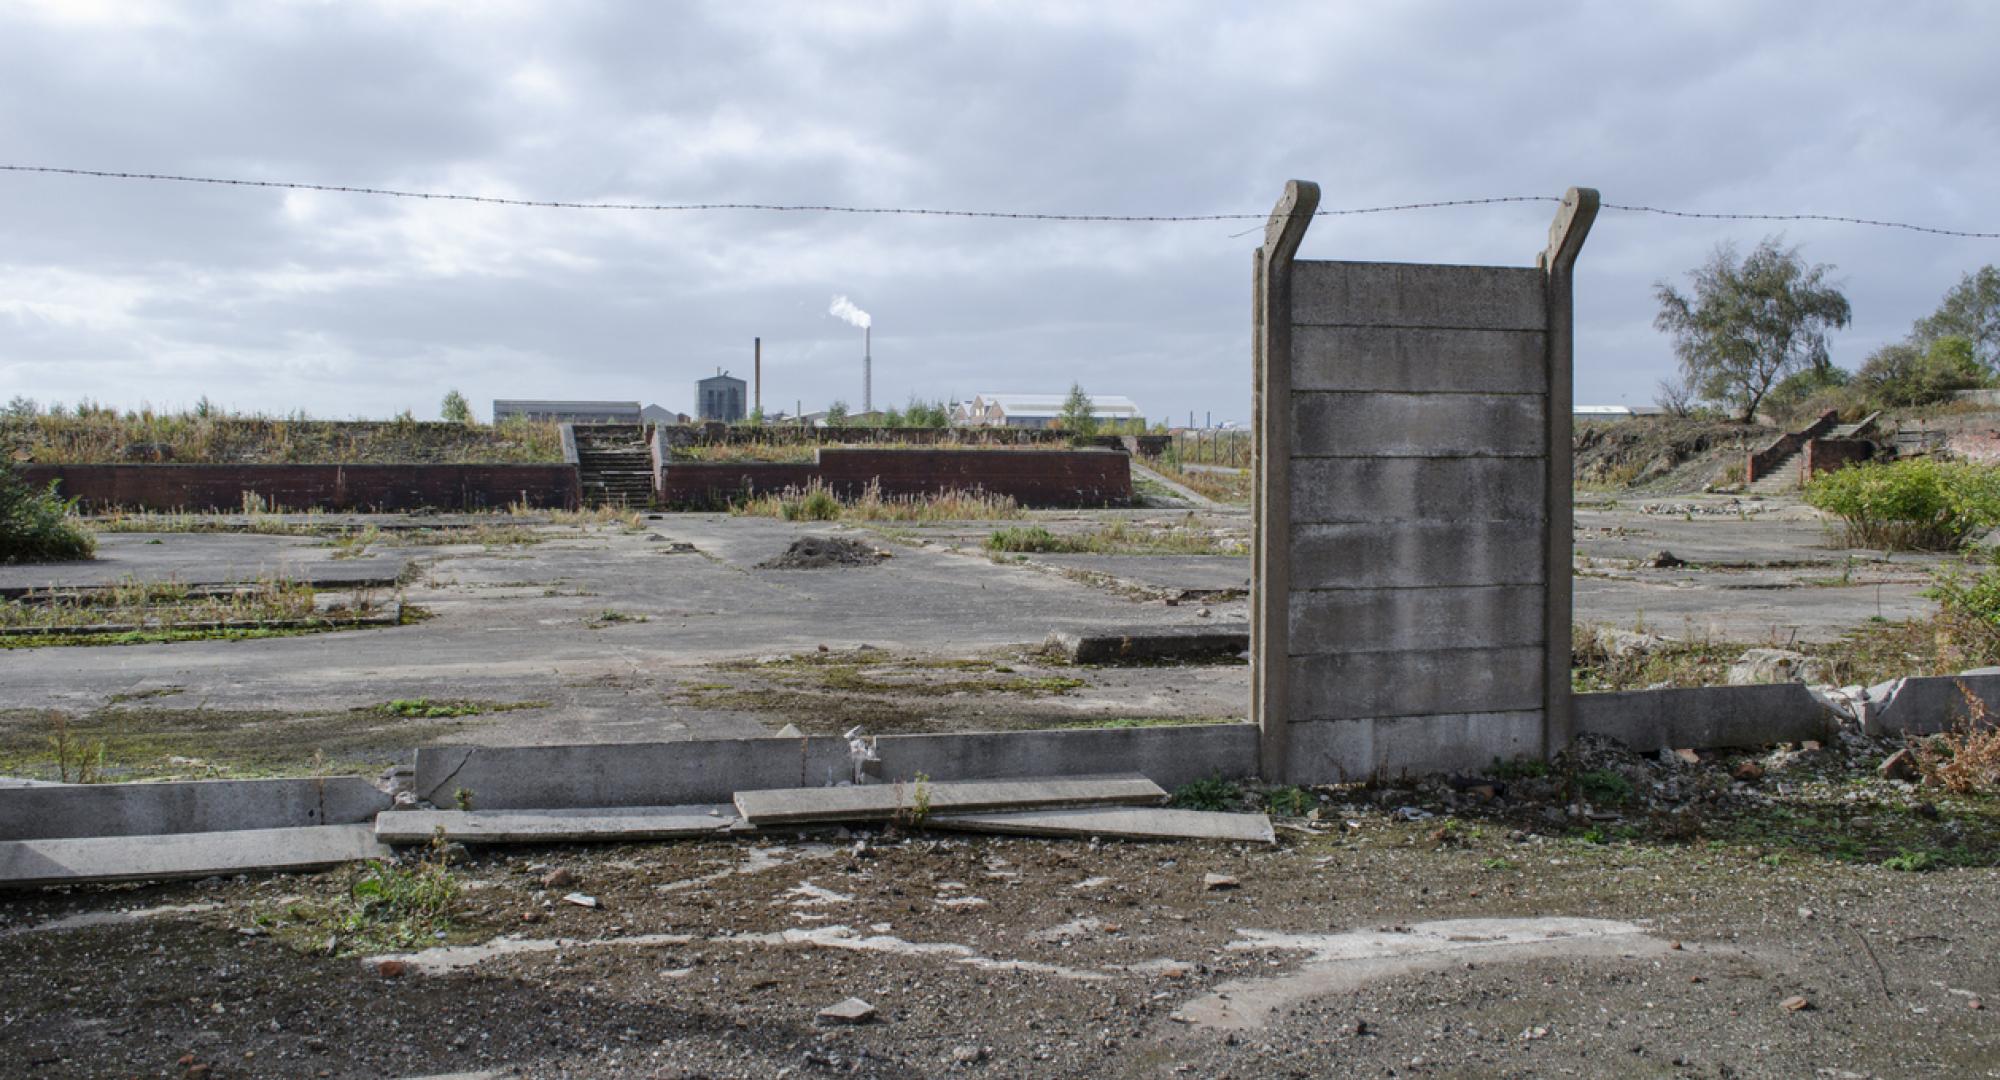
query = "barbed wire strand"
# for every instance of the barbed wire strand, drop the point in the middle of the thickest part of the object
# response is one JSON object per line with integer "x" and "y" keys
{"x": 1004, "y": 215}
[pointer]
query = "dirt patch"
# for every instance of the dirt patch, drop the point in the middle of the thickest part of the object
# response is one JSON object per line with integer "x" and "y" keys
{"x": 712, "y": 958}
{"x": 823, "y": 552}
{"x": 1662, "y": 454}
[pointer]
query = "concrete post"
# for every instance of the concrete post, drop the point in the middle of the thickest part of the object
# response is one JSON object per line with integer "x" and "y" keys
{"x": 1566, "y": 235}
{"x": 1271, "y": 344}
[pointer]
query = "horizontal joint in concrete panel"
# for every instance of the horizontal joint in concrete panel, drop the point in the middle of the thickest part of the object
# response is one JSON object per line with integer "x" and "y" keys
{"x": 1419, "y": 360}
{"x": 1335, "y": 751}
{"x": 1425, "y": 682}
{"x": 1389, "y": 620}
{"x": 1419, "y": 295}
{"x": 1360, "y": 555}
{"x": 1418, "y": 489}
{"x": 1418, "y": 425}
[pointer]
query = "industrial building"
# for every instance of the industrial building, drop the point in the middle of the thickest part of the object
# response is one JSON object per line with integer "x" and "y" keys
{"x": 1038, "y": 410}
{"x": 721, "y": 397}
{"x": 575, "y": 412}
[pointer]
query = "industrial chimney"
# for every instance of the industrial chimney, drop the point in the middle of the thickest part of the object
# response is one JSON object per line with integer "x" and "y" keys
{"x": 867, "y": 369}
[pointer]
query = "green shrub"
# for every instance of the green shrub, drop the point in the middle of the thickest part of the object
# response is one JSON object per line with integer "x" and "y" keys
{"x": 38, "y": 526}
{"x": 1920, "y": 504}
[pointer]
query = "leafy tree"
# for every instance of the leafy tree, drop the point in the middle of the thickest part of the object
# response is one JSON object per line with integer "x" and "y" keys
{"x": 21, "y": 407}
{"x": 892, "y": 417}
{"x": 1077, "y": 416}
{"x": 1908, "y": 373}
{"x": 836, "y": 414}
{"x": 455, "y": 409}
{"x": 1971, "y": 310}
{"x": 1750, "y": 323}
{"x": 926, "y": 414}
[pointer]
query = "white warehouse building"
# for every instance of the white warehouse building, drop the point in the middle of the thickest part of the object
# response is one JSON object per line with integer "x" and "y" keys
{"x": 1037, "y": 410}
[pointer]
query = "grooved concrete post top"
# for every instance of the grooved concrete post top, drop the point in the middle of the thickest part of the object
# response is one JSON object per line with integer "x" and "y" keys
{"x": 1289, "y": 219}
{"x": 1411, "y": 590}
{"x": 1567, "y": 231}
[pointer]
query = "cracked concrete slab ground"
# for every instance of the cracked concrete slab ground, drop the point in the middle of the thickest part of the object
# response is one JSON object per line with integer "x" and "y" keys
{"x": 672, "y": 630}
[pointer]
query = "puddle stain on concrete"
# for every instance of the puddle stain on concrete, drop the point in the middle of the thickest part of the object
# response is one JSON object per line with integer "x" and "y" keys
{"x": 1347, "y": 961}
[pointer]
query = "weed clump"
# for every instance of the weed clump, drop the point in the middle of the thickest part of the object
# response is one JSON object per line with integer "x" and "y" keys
{"x": 1213, "y": 793}
{"x": 1964, "y": 761}
{"x": 39, "y": 525}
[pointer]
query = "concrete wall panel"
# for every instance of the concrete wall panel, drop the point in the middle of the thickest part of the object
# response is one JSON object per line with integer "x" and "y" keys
{"x": 1360, "y": 555}
{"x": 712, "y": 771}
{"x": 1419, "y": 295}
{"x": 1387, "y": 620}
{"x": 1418, "y": 425}
{"x": 1326, "y": 751}
{"x": 1347, "y": 686}
{"x": 1399, "y": 360}
{"x": 82, "y": 810}
{"x": 1705, "y": 716}
{"x": 1334, "y": 490}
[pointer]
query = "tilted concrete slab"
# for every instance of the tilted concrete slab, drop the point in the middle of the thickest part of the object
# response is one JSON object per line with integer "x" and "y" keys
{"x": 554, "y": 826}
{"x": 713, "y": 771}
{"x": 881, "y": 802}
{"x": 194, "y": 806}
{"x": 1925, "y": 705}
{"x": 1130, "y": 822}
{"x": 187, "y": 855}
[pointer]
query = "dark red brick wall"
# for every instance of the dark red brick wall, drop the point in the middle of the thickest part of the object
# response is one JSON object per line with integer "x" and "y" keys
{"x": 1031, "y": 477}
{"x": 306, "y": 487}
{"x": 1826, "y": 455}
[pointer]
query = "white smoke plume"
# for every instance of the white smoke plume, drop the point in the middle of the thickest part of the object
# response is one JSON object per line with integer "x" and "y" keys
{"x": 843, "y": 308}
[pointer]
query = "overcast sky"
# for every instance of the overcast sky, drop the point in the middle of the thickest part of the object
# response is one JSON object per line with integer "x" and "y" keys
{"x": 131, "y": 293}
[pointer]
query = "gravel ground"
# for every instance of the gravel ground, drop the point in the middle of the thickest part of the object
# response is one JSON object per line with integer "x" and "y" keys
{"x": 1715, "y": 901}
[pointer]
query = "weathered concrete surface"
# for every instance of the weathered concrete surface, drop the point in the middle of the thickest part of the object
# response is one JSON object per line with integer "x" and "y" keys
{"x": 1417, "y": 425}
{"x": 656, "y": 774}
{"x": 1403, "y": 554}
{"x": 183, "y": 855}
{"x": 1419, "y": 296}
{"x": 1705, "y": 717}
{"x": 1416, "y": 489}
{"x": 1184, "y": 576}
{"x": 882, "y": 802}
{"x": 554, "y": 826}
{"x": 1126, "y": 822}
{"x": 524, "y": 624}
{"x": 84, "y": 810}
{"x": 1396, "y": 359}
{"x": 208, "y": 559}
{"x": 1174, "y": 644}
{"x": 1326, "y": 751}
{"x": 1357, "y": 685}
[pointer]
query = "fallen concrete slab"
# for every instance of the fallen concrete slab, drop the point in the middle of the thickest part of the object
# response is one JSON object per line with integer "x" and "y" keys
{"x": 185, "y": 855}
{"x": 1167, "y": 644}
{"x": 1130, "y": 822}
{"x": 554, "y": 826}
{"x": 55, "y": 812}
{"x": 883, "y": 802}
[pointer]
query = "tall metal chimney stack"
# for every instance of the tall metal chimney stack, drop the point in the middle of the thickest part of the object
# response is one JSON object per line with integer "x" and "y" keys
{"x": 867, "y": 369}
{"x": 757, "y": 359}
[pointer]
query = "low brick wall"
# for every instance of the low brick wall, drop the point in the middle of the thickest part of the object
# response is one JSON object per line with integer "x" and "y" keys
{"x": 1030, "y": 477}
{"x": 307, "y": 487}
{"x": 1826, "y": 455}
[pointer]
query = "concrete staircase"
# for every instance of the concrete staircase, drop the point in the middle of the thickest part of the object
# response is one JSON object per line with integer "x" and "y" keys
{"x": 614, "y": 464}
{"x": 1783, "y": 476}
